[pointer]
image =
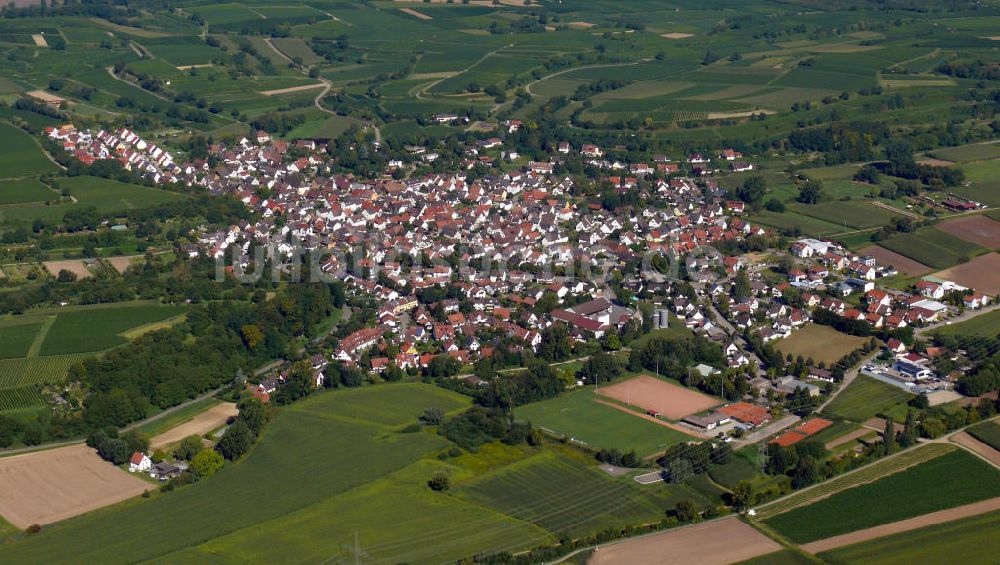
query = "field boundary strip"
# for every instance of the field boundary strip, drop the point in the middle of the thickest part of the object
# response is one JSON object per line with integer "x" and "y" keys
{"x": 36, "y": 344}
{"x": 862, "y": 475}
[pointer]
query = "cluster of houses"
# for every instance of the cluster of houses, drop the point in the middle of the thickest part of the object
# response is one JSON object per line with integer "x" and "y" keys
{"x": 498, "y": 239}
{"x": 126, "y": 147}
{"x": 523, "y": 219}
{"x": 447, "y": 230}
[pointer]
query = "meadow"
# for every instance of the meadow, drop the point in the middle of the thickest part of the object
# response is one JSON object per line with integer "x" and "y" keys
{"x": 23, "y": 191}
{"x": 958, "y": 478}
{"x": 969, "y": 153}
{"x": 578, "y": 416}
{"x": 858, "y": 214}
{"x": 985, "y": 325}
{"x": 20, "y": 155}
{"x": 819, "y": 343}
{"x": 792, "y": 221}
{"x": 108, "y": 197}
{"x": 965, "y": 540}
{"x": 867, "y": 397}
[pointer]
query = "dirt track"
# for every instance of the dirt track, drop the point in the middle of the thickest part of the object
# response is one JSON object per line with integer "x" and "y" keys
{"x": 973, "y": 444}
{"x": 939, "y": 517}
{"x": 851, "y": 436}
{"x": 722, "y": 541}
{"x": 201, "y": 424}
{"x": 291, "y": 89}
{"x": 650, "y": 393}
{"x": 48, "y": 486}
{"x": 415, "y": 13}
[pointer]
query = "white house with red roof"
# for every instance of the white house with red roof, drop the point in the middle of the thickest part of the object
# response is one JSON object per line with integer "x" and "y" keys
{"x": 139, "y": 462}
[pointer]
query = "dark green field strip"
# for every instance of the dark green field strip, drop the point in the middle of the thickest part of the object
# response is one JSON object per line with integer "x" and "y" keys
{"x": 83, "y": 331}
{"x": 969, "y": 540}
{"x": 947, "y": 481}
{"x": 16, "y": 339}
{"x": 19, "y": 398}
{"x": 988, "y": 433}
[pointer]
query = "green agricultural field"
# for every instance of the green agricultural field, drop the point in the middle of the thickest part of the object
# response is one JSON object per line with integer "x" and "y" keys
{"x": 22, "y": 191}
{"x": 783, "y": 557}
{"x": 108, "y": 197}
{"x": 576, "y": 415}
{"x": 31, "y": 370}
{"x": 586, "y": 500}
{"x": 836, "y": 172}
{"x": 20, "y": 155}
{"x": 676, "y": 329}
{"x": 20, "y": 398}
{"x": 290, "y": 470}
{"x": 509, "y": 499}
{"x": 408, "y": 400}
{"x": 867, "y": 397}
{"x": 988, "y": 433}
{"x": 329, "y": 128}
{"x": 96, "y": 329}
{"x": 739, "y": 468}
{"x": 820, "y": 343}
{"x": 932, "y": 247}
{"x": 969, "y": 153}
{"x": 17, "y": 335}
{"x": 294, "y": 47}
{"x": 867, "y": 474}
{"x": 858, "y": 214}
{"x": 983, "y": 185}
{"x": 792, "y": 221}
{"x": 962, "y": 541}
{"x": 947, "y": 481}
{"x": 985, "y": 325}
{"x": 429, "y": 527}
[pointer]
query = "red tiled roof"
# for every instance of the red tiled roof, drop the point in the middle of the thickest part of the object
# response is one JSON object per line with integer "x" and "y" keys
{"x": 747, "y": 413}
